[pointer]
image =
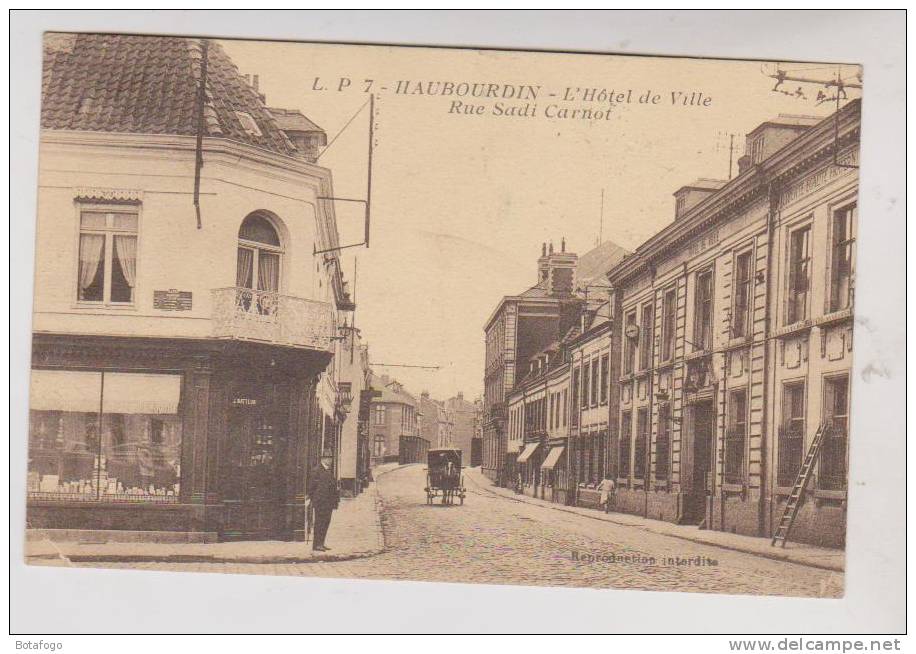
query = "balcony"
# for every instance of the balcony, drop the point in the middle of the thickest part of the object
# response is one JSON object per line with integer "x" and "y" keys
{"x": 268, "y": 317}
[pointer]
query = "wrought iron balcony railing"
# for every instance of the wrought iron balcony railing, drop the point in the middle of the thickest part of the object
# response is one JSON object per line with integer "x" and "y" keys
{"x": 268, "y": 317}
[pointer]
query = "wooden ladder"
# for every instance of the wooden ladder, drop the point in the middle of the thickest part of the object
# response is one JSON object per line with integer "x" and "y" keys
{"x": 801, "y": 481}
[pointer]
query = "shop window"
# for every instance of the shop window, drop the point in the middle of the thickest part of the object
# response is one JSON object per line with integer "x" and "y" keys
{"x": 379, "y": 445}
{"x": 799, "y": 272}
{"x": 791, "y": 434}
{"x": 642, "y": 437}
{"x": 629, "y": 344}
{"x": 669, "y": 308}
{"x": 702, "y": 311}
{"x": 626, "y": 427}
{"x": 742, "y": 298}
{"x": 107, "y": 257}
{"x": 832, "y": 462}
{"x": 736, "y": 437}
{"x": 108, "y": 436}
{"x": 645, "y": 337}
{"x": 842, "y": 269}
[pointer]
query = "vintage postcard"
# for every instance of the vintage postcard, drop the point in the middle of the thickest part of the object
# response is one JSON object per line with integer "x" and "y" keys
{"x": 409, "y": 313}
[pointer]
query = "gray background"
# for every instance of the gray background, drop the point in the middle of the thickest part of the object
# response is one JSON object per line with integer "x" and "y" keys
{"x": 57, "y": 600}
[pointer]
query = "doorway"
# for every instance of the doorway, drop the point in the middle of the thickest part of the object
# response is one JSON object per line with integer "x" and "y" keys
{"x": 252, "y": 487}
{"x": 702, "y": 431}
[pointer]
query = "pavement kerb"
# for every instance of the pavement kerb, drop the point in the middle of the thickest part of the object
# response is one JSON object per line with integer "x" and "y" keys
{"x": 213, "y": 558}
{"x": 776, "y": 555}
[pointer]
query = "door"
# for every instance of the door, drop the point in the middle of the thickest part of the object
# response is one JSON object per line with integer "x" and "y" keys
{"x": 702, "y": 432}
{"x": 252, "y": 477}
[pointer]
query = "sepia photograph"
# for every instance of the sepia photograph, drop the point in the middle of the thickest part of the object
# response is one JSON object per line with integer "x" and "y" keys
{"x": 439, "y": 314}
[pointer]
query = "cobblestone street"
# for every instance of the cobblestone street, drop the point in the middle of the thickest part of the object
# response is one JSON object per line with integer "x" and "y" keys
{"x": 493, "y": 539}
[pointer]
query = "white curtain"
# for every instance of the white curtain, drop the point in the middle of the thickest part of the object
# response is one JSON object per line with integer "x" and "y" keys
{"x": 243, "y": 269}
{"x": 268, "y": 271}
{"x": 91, "y": 247}
{"x": 126, "y": 251}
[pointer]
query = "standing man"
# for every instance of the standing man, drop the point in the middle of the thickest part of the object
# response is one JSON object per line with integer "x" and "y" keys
{"x": 324, "y": 497}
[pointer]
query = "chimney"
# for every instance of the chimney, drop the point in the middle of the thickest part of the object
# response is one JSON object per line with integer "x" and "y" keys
{"x": 687, "y": 197}
{"x": 557, "y": 270}
{"x": 461, "y": 395}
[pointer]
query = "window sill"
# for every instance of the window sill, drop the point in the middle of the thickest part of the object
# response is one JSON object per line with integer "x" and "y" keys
{"x": 84, "y": 306}
{"x": 822, "y": 494}
{"x": 735, "y": 489}
{"x": 793, "y": 329}
{"x": 740, "y": 341}
{"x": 837, "y": 316}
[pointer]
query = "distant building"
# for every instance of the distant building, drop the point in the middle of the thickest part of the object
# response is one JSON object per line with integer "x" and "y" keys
{"x": 393, "y": 424}
{"x": 463, "y": 416}
{"x": 524, "y": 325}
{"x": 352, "y": 365}
{"x": 520, "y": 326}
{"x": 434, "y": 421}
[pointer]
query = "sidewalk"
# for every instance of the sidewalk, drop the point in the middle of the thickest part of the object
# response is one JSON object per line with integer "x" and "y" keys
{"x": 810, "y": 555}
{"x": 355, "y": 532}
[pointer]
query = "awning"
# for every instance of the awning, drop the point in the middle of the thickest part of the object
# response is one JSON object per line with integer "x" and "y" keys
{"x": 553, "y": 457}
{"x": 530, "y": 449}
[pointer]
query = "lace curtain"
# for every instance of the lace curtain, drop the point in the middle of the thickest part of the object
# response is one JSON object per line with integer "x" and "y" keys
{"x": 91, "y": 251}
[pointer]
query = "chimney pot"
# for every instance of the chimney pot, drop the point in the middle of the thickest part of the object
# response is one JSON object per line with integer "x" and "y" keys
{"x": 255, "y": 80}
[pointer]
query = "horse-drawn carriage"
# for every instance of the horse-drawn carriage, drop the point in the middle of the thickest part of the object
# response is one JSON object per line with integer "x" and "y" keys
{"x": 443, "y": 476}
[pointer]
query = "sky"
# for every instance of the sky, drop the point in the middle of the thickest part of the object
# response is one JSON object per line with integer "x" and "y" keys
{"x": 462, "y": 203}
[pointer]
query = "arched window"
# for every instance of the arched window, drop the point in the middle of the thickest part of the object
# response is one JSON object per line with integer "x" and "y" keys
{"x": 259, "y": 255}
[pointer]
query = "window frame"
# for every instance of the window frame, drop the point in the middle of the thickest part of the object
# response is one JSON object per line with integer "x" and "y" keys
{"x": 605, "y": 378}
{"x": 626, "y": 418}
{"x": 647, "y": 329}
{"x": 629, "y": 344}
{"x": 850, "y": 209}
{"x": 736, "y": 419}
{"x": 256, "y": 247}
{"x": 703, "y": 315}
{"x": 668, "y": 328}
{"x": 586, "y": 383}
{"x": 746, "y": 295}
{"x": 109, "y": 234}
{"x": 792, "y": 275}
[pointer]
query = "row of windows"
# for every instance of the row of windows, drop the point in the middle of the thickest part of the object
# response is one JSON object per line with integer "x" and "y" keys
{"x": 639, "y": 327}
{"x": 590, "y": 382}
{"x": 107, "y": 270}
{"x": 633, "y": 449}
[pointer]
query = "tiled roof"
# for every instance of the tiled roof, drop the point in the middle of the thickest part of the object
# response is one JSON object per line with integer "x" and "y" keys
{"x": 149, "y": 85}
{"x": 293, "y": 119}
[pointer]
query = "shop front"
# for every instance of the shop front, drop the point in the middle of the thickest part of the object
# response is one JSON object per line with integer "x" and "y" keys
{"x": 169, "y": 439}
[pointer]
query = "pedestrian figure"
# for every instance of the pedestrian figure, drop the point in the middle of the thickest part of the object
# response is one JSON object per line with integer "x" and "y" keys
{"x": 324, "y": 497}
{"x": 606, "y": 487}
